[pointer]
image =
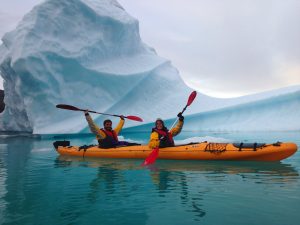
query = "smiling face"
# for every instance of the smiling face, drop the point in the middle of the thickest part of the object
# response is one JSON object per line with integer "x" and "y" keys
{"x": 107, "y": 125}
{"x": 159, "y": 125}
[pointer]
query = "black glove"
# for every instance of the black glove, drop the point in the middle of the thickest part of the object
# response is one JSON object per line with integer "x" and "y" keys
{"x": 180, "y": 116}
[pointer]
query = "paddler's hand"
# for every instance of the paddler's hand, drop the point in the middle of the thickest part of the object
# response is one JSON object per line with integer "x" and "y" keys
{"x": 180, "y": 116}
{"x": 122, "y": 117}
{"x": 86, "y": 112}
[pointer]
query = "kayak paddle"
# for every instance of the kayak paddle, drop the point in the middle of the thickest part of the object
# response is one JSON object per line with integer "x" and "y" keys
{"x": 70, "y": 107}
{"x": 189, "y": 102}
{"x": 151, "y": 158}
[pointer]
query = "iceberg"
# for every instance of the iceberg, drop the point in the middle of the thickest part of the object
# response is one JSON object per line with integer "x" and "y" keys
{"x": 277, "y": 113}
{"x": 88, "y": 53}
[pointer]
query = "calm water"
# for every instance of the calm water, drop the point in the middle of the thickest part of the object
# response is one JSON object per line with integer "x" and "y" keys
{"x": 39, "y": 187}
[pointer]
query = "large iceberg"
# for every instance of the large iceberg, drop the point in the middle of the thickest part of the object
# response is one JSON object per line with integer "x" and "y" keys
{"x": 88, "y": 53}
{"x": 85, "y": 53}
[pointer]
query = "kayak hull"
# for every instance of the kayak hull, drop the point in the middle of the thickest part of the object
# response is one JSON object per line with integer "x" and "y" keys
{"x": 194, "y": 151}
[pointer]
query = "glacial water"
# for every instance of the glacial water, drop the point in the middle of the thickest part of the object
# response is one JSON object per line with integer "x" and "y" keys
{"x": 39, "y": 187}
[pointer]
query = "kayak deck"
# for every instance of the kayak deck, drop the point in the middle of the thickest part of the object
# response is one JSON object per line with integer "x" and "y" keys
{"x": 193, "y": 151}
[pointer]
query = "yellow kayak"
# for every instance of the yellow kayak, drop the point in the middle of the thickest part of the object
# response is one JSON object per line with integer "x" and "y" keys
{"x": 193, "y": 151}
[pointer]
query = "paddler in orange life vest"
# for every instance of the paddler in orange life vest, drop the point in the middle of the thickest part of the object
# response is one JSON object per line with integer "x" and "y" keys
{"x": 161, "y": 137}
{"x": 107, "y": 137}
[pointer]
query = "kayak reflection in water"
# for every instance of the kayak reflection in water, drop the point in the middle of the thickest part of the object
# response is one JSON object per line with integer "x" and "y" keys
{"x": 161, "y": 137}
{"x": 107, "y": 137}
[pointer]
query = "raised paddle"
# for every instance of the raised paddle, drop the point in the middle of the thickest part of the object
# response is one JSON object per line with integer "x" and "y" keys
{"x": 70, "y": 107}
{"x": 151, "y": 158}
{"x": 189, "y": 102}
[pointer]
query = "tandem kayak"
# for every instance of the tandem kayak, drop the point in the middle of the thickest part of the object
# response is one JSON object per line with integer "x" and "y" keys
{"x": 193, "y": 151}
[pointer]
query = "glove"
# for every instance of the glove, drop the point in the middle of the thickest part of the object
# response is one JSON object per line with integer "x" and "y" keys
{"x": 180, "y": 116}
{"x": 122, "y": 117}
{"x": 86, "y": 112}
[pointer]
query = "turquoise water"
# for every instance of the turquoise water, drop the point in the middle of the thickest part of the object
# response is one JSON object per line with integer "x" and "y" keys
{"x": 39, "y": 187}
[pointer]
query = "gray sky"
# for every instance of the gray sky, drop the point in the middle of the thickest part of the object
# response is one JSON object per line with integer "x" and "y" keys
{"x": 221, "y": 48}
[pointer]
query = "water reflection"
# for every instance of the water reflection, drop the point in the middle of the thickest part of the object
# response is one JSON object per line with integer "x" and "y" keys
{"x": 109, "y": 177}
{"x": 205, "y": 167}
{"x": 13, "y": 159}
{"x": 191, "y": 181}
{"x": 168, "y": 180}
{"x": 108, "y": 191}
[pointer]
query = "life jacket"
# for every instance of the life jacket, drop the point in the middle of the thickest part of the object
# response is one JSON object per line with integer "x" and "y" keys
{"x": 165, "y": 138}
{"x": 110, "y": 141}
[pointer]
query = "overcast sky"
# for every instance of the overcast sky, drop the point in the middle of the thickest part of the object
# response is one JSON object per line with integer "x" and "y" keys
{"x": 222, "y": 48}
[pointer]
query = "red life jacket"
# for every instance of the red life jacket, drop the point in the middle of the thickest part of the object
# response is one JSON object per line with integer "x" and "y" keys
{"x": 110, "y": 141}
{"x": 111, "y": 133}
{"x": 165, "y": 138}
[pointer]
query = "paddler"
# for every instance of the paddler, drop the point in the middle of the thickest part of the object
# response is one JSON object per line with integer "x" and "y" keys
{"x": 161, "y": 137}
{"x": 106, "y": 136}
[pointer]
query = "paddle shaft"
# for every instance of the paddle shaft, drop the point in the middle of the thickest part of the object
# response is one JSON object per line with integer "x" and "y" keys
{"x": 107, "y": 114}
{"x": 73, "y": 108}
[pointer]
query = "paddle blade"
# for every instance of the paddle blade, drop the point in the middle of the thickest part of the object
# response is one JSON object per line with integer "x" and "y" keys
{"x": 68, "y": 107}
{"x": 136, "y": 118}
{"x": 191, "y": 98}
{"x": 151, "y": 158}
